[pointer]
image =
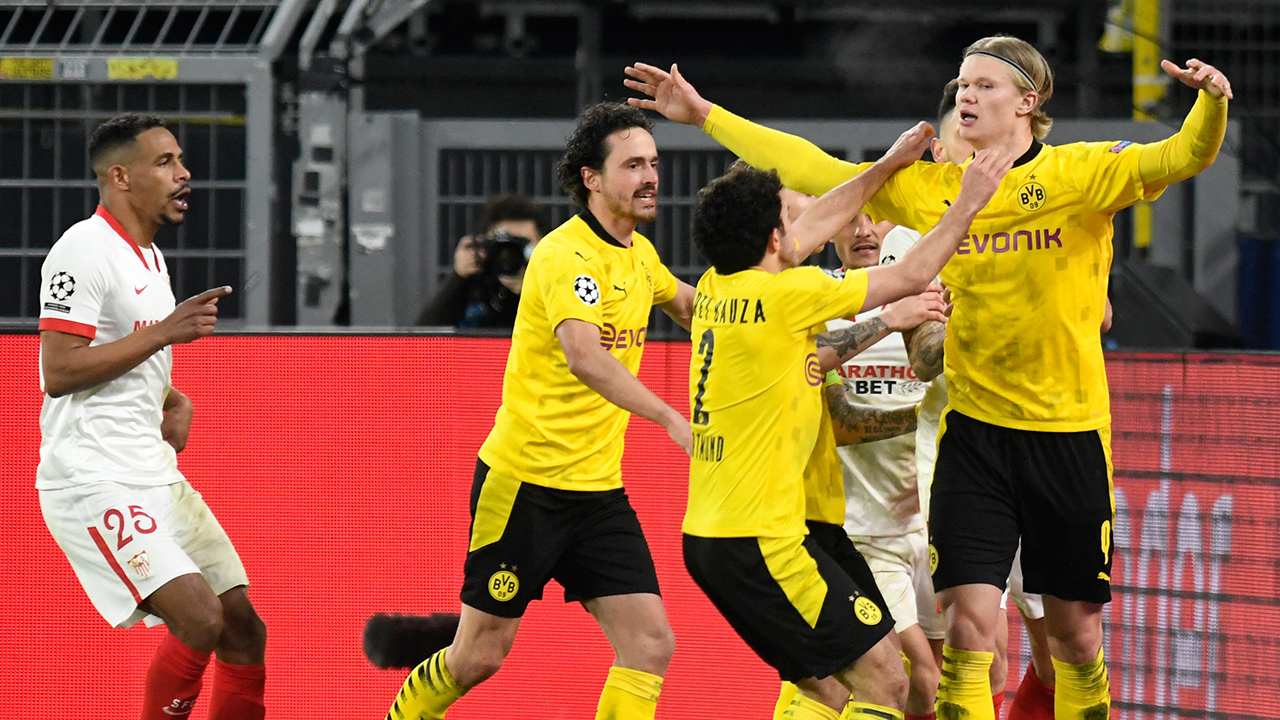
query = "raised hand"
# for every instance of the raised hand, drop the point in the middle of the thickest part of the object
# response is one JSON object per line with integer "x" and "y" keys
{"x": 467, "y": 258}
{"x": 671, "y": 94}
{"x": 1201, "y": 76}
{"x": 195, "y": 317}
{"x": 909, "y": 312}
{"x": 909, "y": 146}
{"x": 983, "y": 175}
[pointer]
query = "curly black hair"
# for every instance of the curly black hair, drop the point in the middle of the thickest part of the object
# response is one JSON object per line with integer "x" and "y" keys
{"x": 118, "y": 132}
{"x": 734, "y": 217}
{"x": 588, "y": 144}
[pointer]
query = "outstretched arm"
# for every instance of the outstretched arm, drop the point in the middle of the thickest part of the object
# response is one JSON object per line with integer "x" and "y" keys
{"x": 802, "y": 165}
{"x": 837, "y": 347}
{"x": 70, "y": 364}
{"x": 1196, "y": 144}
{"x": 914, "y": 272}
{"x": 832, "y": 212}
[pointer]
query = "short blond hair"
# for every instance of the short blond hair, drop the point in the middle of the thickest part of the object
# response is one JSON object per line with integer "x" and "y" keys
{"x": 1031, "y": 73}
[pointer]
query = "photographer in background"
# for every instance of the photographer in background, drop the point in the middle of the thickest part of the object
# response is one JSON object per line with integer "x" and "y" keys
{"x": 484, "y": 288}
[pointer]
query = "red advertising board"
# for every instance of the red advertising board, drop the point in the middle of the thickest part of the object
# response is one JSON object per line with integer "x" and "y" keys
{"x": 340, "y": 467}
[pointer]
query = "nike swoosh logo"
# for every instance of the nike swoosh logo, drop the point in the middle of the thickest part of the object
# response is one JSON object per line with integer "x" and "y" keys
{"x": 138, "y": 291}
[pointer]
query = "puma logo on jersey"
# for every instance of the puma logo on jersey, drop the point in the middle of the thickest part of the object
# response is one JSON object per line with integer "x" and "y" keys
{"x": 620, "y": 289}
{"x": 1003, "y": 242}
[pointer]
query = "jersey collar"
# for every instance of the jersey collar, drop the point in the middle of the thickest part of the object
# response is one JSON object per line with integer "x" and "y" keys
{"x": 124, "y": 234}
{"x": 598, "y": 229}
{"x": 1030, "y": 154}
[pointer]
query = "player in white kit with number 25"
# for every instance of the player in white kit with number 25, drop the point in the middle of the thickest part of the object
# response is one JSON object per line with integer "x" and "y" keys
{"x": 141, "y": 541}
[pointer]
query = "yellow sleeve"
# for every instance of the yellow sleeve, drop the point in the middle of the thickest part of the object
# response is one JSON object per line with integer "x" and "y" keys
{"x": 1193, "y": 149}
{"x": 665, "y": 285}
{"x": 833, "y": 378}
{"x": 569, "y": 287}
{"x": 805, "y": 167}
{"x": 802, "y": 165}
{"x": 813, "y": 297}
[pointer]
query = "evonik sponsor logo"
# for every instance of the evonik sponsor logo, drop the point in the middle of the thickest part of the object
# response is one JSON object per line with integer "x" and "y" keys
{"x": 614, "y": 338}
{"x": 1018, "y": 240}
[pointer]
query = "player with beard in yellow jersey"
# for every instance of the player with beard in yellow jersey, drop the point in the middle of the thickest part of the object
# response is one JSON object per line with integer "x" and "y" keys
{"x": 754, "y": 390}
{"x": 547, "y": 500}
{"x": 1024, "y": 446}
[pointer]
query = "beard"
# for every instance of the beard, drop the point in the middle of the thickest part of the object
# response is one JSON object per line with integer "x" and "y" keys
{"x": 167, "y": 218}
{"x": 628, "y": 207}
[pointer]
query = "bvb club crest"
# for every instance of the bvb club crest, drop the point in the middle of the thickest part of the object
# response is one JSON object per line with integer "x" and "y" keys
{"x": 1031, "y": 196}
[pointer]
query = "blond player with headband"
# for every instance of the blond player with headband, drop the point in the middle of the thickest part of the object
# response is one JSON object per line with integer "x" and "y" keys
{"x": 1024, "y": 451}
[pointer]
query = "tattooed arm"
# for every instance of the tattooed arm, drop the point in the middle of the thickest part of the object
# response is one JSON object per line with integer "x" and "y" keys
{"x": 855, "y": 424}
{"x": 924, "y": 349}
{"x": 836, "y": 347}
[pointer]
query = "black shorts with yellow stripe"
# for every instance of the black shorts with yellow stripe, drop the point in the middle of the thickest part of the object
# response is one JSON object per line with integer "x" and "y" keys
{"x": 790, "y": 601}
{"x": 994, "y": 484}
{"x": 523, "y": 535}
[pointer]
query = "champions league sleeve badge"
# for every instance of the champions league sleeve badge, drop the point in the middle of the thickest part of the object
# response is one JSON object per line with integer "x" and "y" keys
{"x": 62, "y": 286}
{"x": 585, "y": 287}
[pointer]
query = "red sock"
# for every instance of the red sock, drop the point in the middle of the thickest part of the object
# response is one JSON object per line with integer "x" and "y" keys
{"x": 173, "y": 680}
{"x": 909, "y": 716}
{"x": 1034, "y": 700}
{"x": 997, "y": 701}
{"x": 237, "y": 692}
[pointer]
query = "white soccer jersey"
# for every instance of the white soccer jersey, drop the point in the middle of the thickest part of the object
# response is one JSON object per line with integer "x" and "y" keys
{"x": 880, "y": 477}
{"x": 98, "y": 283}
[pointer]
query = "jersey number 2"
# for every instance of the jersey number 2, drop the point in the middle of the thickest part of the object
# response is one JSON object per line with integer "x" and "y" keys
{"x": 706, "y": 349}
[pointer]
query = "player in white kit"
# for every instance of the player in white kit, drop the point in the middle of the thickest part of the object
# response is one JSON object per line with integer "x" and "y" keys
{"x": 882, "y": 507}
{"x": 141, "y": 541}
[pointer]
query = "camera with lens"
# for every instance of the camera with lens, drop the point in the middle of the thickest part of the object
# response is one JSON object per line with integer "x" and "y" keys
{"x": 504, "y": 253}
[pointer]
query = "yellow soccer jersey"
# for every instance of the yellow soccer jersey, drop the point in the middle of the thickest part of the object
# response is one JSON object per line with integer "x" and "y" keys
{"x": 552, "y": 430}
{"x": 1023, "y": 347}
{"x": 754, "y": 388}
{"x": 823, "y": 475}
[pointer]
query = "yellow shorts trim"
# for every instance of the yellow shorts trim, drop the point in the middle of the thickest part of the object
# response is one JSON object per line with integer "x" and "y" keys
{"x": 796, "y": 572}
{"x": 493, "y": 509}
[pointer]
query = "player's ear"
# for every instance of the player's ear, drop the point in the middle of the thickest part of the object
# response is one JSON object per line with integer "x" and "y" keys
{"x": 591, "y": 179}
{"x": 118, "y": 177}
{"x": 935, "y": 149}
{"x": 775, "y": 242}
{"x": 1028, "y": 103}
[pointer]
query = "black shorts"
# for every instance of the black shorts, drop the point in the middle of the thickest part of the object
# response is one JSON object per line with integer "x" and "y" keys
{"x": 789, "y": 601}
{"x": 523, "y": 535}
{"x": 993, "y": 485}
{"x": 834, "y": 541}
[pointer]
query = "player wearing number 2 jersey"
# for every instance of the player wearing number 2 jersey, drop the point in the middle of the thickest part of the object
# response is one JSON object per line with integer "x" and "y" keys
{"x": 754, "y": 391}
{"x": 142, "y": 542}
{"x": 1029, "y": 416}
